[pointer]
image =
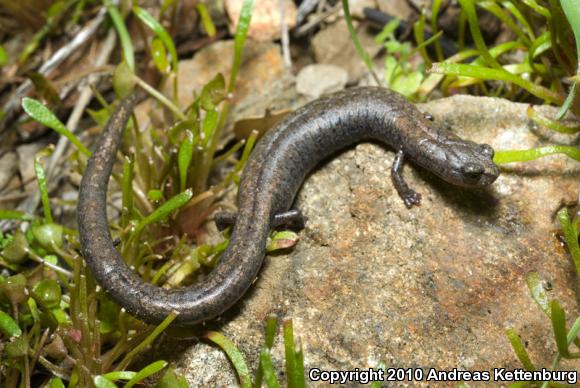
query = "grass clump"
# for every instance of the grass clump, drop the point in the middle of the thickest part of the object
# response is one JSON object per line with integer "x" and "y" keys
{"x": 266, "y": 373}
{"x": 564, "y": 339}
{"x": 539, "y": 63}
{"x": 54, "y": 318}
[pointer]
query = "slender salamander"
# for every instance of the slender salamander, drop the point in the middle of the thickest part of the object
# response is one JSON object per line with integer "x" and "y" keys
{"x": 273, "y": 175}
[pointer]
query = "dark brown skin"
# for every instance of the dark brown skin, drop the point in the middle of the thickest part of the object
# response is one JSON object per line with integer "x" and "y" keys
{"x": 272, "y": 177}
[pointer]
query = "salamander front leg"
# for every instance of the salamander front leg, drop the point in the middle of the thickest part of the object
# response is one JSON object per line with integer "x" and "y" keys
{"x": 291, "y": 219}
{"x": 408, "y": 195}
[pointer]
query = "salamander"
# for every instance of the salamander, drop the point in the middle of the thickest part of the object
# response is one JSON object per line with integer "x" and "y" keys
{"x": 274, "y": 173}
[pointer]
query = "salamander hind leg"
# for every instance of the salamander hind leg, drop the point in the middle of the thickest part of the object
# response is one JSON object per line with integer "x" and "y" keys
{"x": 409, "y": 196}
{"x": 224, "y": 220}
{"x": 291, "y": 219}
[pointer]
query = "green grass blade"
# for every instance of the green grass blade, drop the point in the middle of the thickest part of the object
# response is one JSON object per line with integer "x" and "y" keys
{"x": 184, "y": 156}
{"x": 164, "y": 210}
{"x": 3, "y": 57}
{"x": 233, "y": 354}
{"x": 270, "y": 334}
{"x": 559, "y": 326}
{"x": 103, "y": 382}
{"x": 42, "y": 185}
{"x": 159, "y": 55}
{"x": 539, "y": 46}
{"x": 551, "y": 124}
{"x": 436, "y": 6}
{"x": 570, "y": 236}
{"x": 520, "y": 349}
{"x": 506, "y": 19}
{"x": 206, "y": 21}
{"x": 44, "y": 116}
{"x": 208, "y": 126}
{"x": 124, "y": 36}
{"x": 239, "y": 40}
{"x": 120, "y": 375}
{"x": 289, "y": 351}
{"x": 545, "y": 12}
{"x": 468, "y": 7}
{"x": 522, "y": 20}
{"x": 419, "y": 34}
{"x": 161, "y": 98}
{"x": 567, "y": 103}
{"x": 56, "y": 382}
{"x": 146, "y": 343}
{"x": 247, "y": 150}
{"x": 359, "y": 49}
{"x": 268, "y": 369}
{"x": 387, "y": 31}
{"x": 6, "y": 214}
{"x": 433, "y": 79}
{"x": 149, "y": 370}
{"x": 8, "y": 326}
{"x": 495, "y": 52}
{"x": 571, "y": 9}
{"x": 127, "y": 189}
{"x": 573, "y": 333}
{"x": 511, "y": 156}
{"x": 299, "y": 365}
{"x": 171, "y": 379}
{"x": 486, "y": 73}
{"x": 574, "y": 336}
{"x": 271, "y": 325}
{"x": 293, "y": 370}
{"x": 160, "y": 31}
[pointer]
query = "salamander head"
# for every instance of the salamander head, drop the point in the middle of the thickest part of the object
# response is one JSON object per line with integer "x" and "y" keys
{"x": 460, "y": 162}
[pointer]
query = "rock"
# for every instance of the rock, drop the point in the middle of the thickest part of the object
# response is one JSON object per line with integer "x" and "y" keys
{"x": 8, "y": 167}
{"x": 434, "y": 286}
{"x": 26, "y": 154}
{"x": 333, "y": 46}
{"x": 425, "y": 4}
{"x": 262, "y": 69}
{"x": 397, "y": 8}
{"x": 266, "y": 17}
{"x": 304, "y": 9}
{"x": 356, "y": 7}
{"x": 316, "y": 80}
{"x": 263, "y": 85}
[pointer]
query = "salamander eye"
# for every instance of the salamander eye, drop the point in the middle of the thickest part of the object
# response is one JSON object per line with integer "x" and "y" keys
{"x": 472, "y": 170}
{"x": 487, "y": 150}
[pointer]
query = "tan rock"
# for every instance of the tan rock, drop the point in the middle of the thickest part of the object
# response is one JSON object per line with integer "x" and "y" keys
{"x": 435, "y": 286}
{"x": 266, "y": 18}
{"x": 333, "y": 46}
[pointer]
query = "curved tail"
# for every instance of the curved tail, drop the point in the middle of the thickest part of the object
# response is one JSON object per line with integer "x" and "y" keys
{"x": 225, "y": 285}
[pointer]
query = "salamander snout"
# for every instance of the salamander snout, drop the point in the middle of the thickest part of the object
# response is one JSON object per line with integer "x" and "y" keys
{"x": 460, "y": 162}
{"x": 475, "y": 166}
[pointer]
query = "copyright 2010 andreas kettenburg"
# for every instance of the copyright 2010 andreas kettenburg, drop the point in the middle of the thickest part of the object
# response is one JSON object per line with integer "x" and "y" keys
{"x": 498, "y": 375}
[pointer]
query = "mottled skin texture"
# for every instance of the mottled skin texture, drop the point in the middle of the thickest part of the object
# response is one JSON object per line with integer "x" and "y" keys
{"x": 271, "y": 179}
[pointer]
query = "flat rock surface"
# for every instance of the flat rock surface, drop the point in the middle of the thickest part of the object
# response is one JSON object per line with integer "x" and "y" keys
{"x": 434, "y": 286}
{"x": 333, "y": 46}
